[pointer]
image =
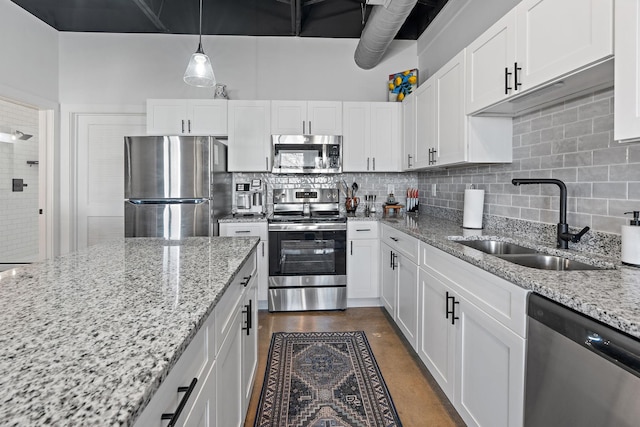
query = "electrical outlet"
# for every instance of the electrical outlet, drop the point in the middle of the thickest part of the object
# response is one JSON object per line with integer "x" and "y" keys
{"x": 390, "y": 189}
{"x": 433, "y": 190}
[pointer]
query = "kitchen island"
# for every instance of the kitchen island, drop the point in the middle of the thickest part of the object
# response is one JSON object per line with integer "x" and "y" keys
{"x": 87, "y": 338}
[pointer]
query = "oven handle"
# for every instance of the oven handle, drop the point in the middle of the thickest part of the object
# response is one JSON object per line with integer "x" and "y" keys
{"x": 308, "y": 227}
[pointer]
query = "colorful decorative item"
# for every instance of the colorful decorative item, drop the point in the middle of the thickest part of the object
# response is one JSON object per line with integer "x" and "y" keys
{"x": 402, "y": 84}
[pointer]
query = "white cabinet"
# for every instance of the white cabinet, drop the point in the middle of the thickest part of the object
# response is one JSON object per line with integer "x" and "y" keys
{"x": 362, "y": 260}
{"x": 537, "y": 42}
{"x": 306, "y": 117}
{"x": 187, "y": 117}
{"x": 445, "y": 134}
{"x": 409, "y": 136}
{"x": 229, "y": 393}
{"x": 626, "y": 121}
{"x": 464, "y": 309}
{"x": 557, "y": 37}
{"x": 254, "y": 229}
{"x": 249, "y": 341}
{"x": 489, "y": 384}
{"x": 400, "y": 280}
{"x": 371, "y": 136}
{"x": 490, "y": 60}
{"x": 249, "y": 145}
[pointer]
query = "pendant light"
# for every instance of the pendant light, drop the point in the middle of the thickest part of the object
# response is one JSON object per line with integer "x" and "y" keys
{"x": 199, "y": 71}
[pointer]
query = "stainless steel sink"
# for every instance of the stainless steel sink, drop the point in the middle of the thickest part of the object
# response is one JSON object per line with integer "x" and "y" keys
{"x": 547, "y": 262}
{"x": 526, "y": 256}
{"x": 495, "y": 247}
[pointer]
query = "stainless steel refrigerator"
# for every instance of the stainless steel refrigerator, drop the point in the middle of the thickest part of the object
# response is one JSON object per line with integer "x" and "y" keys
{"x": 175, "y": 186}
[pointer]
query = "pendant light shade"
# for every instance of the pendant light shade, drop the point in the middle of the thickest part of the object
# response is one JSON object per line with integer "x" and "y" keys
{"x": 199, "y": 72}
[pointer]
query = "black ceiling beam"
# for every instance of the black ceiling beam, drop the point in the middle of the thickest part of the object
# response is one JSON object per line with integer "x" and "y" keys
{"x": 151, "y": 15}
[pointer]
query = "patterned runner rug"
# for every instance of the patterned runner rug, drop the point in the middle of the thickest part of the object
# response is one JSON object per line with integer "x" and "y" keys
{"x": 324, "y": 379}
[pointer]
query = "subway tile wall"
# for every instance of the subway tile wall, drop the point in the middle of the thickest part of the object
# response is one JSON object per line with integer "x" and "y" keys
{"x": 571, "y": 141}
{"x": 378, "y": 184}
{"x": 18, "y": 210}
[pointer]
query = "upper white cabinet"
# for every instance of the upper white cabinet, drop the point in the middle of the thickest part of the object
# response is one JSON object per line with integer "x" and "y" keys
{"x": 626, "y": 125}
{"x": 409, "y": 140}
{"x": 187, "y": 117}
{"x": 249, "y": 145}
{"x": 538, "y": 42}
{"x": 445, "y": 135}
{"x": 490, "y": 60}
{"x": 371, "y": 136}
{"x": 306, "y": 117}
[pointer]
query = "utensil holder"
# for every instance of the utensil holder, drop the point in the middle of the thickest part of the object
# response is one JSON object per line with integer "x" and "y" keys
{"x": 351, "y": 204}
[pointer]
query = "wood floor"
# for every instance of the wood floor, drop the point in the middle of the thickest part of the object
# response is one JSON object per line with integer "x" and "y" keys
{"x": 417, "y": 397}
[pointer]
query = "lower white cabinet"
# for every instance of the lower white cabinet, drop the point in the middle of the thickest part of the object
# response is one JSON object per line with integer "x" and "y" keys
{"x": 254, "y": 229}
{"x": 400, "y": 280}
{"x": 218, "y": 366}
{"x": 362, "y": 260}
{"x": 229, "y": 382}
{"x": 478, "y": 361}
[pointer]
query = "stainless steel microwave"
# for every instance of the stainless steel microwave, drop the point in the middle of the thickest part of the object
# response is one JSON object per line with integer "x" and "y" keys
{"x": 307, "y": 153}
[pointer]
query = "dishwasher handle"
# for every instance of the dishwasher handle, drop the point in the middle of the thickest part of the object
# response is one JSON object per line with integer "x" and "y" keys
{"x": 603, "y": 340}
{"x": 613, "y": 352}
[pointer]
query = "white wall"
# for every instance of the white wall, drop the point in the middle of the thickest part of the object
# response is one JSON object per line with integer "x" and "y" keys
{"x": 458, "y": 24}
{"x": 29, "y": 57}
{"x": 129, "y": 68}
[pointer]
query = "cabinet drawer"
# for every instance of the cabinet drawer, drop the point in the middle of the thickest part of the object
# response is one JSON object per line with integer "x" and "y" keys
{"x": 497, "y": 297}
{"x": 362, "y": 229}
{"x": 401, "y": 242}
{"x": 231, "y": 300}
{"x": 244, "y": 229}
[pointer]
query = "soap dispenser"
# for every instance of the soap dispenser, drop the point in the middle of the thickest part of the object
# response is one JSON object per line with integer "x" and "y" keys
{"x": 631, "y": 240}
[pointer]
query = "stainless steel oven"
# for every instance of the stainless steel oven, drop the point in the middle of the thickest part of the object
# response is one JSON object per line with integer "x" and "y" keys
{"x": 307, "y": 251}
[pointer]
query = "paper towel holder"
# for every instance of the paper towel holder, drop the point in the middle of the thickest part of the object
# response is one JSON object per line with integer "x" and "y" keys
{"x": 473, "y": 212}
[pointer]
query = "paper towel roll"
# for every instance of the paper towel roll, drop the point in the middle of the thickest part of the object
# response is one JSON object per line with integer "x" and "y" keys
{"x": 630, "y": 245}
{"x": 473, "y": 207}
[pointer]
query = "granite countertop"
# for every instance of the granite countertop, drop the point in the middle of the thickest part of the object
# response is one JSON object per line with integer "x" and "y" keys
{"x": 241, "y": 218}
{"x": 87, "y": 338}
{"x": 611, "y": 296}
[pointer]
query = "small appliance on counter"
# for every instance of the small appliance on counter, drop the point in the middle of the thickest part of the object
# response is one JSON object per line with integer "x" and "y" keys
{"x": 249, "y": 198}
{"x": 631, "y": 240}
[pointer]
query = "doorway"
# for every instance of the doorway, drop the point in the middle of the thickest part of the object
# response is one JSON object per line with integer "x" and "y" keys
{"x": 22, "y": 185}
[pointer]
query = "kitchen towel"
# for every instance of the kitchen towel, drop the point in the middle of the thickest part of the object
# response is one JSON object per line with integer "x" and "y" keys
{"x": 473, "y": 207}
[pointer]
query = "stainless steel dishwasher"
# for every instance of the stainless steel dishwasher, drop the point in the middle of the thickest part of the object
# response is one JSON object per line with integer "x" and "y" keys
{"x": 579, "y": 371}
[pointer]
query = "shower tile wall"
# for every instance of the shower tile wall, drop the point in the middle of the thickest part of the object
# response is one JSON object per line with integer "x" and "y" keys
{"x": 378, "y": 184}
{"x": 18, "y": 210}
{"x": 571, "y": 141}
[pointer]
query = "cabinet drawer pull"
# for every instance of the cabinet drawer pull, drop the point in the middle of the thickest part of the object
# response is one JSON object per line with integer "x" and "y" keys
{"x": 262, "y": 249}
{"x": 249, "y": 320}
{"x": 363, "y": 229}
{"x": 304, "y": 127}
{"x": 310, "y": 127}
{"x": 507, "y": 88}
{"x": 374, "y": 163}
{"x": 266, "y": 159}
{"x": 173, "y": 417}
{"x": 393, "y": 261}
{"x": 351, "y": 247}
{"x": 245, "y": 281}
{"x": 182, "y": 126}
{"x": 242, "y": 231}
{"x": 517, "y": 84}
{"x": 409, "y": 161}
{"x": 451, "y": 312}
{"x": 367, "y": 163}
{"x": 189, "y": 125}
{"x": 395, "y": 239}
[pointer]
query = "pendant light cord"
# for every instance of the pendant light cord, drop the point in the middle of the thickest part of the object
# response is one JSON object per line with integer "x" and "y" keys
{"x": 200, "y": 38}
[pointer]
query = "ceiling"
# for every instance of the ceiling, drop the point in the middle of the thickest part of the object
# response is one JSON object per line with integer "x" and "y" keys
{"x": 303, "y": 18}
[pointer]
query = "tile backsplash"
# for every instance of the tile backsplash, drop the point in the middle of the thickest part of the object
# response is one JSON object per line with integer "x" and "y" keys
{"x": 378, "y": 184}
{"x": 571, "y": 141}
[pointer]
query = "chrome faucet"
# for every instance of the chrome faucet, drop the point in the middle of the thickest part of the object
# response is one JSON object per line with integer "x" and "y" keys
{"x": 564, "y": 236}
